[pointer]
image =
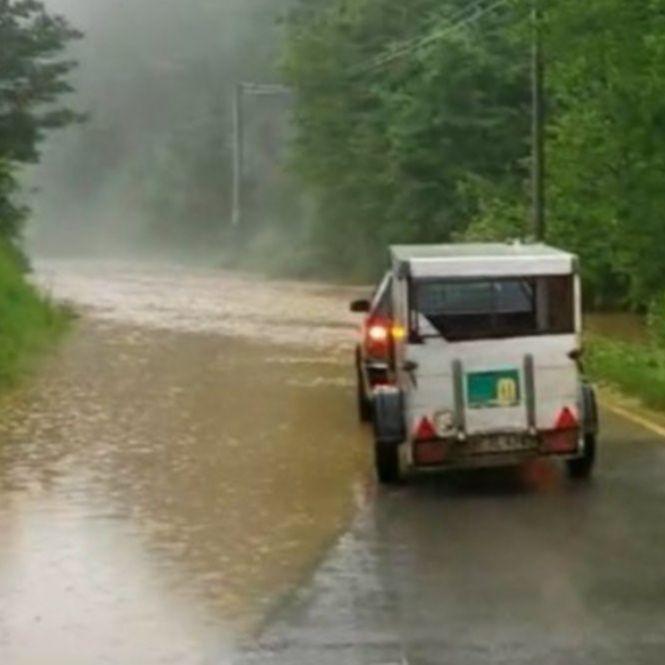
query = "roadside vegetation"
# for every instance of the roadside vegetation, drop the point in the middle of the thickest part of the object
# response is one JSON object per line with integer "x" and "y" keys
{"x": 413, "y": 124}
{"x": 635, "y": 368}
{"x": 29, "y": 323}
{"x": 434, "y": 143}
{"x": 33, "y": 77}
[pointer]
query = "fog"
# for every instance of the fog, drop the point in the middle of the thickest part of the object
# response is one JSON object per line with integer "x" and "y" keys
{"x": 150, "y": 171}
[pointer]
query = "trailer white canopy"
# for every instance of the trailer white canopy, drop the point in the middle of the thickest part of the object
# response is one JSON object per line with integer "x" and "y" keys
{"x": 482, "y": 260}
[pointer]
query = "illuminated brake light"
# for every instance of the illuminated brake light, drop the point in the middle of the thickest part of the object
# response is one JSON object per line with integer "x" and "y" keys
{"x": 378, "y": 334}
{"x": 382, "y": 333}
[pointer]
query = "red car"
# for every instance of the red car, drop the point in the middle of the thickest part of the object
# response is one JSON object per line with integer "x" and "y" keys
{"x": 375, "y": 363}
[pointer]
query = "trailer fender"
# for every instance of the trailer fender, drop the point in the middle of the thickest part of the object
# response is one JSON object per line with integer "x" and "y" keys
{"x": 389, "y": 420}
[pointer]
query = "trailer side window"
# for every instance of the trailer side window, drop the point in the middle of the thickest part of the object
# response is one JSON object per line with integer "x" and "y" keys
{"x": 482, "y": 308}
{"x": 560, "y": 304}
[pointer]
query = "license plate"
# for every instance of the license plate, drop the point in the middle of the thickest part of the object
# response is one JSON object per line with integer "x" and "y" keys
{"x": 504, "y": 443}
{"x": 498, "y": 389}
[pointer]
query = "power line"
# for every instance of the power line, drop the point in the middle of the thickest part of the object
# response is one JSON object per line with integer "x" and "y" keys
{"x": 407, "y": 44}
{"x": 470, "y": 17}
{"x": 476, "y": 12}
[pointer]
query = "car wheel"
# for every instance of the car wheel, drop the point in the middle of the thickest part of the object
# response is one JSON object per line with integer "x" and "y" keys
{"x": 582, "y": 468}
{"x": 364, "y": 403}
{"x": 387, "y": 463}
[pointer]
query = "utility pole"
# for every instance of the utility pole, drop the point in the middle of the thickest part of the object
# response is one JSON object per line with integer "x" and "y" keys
{"x": 242, "y": 89}
{"x": 238, "y": 154}
{"x": 538, "y": 138}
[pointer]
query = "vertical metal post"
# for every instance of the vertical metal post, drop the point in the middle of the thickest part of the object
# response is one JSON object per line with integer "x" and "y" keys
{"x": 241, "y": 90}
{"x": 538, "y": 139}
{"x": 238, "y": 155}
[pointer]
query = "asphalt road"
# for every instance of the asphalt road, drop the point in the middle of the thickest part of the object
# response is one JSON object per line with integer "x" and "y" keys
{"x": 493, "y": 568}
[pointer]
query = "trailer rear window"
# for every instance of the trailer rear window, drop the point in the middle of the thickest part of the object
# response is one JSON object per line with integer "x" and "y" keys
{"x": 483, "y": 309}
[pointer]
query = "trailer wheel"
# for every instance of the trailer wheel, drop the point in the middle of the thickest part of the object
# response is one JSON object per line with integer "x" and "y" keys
{"x": 364, "y": 403}
{"x": 387, "y": 463}
{"x": 582, "y": 468}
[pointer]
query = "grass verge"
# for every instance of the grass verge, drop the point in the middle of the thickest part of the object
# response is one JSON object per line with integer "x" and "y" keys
{"x": 634, "y": 369}
{"x": 29, "y": 323}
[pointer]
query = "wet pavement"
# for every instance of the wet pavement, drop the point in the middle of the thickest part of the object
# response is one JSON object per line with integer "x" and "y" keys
{"x": 498, "y": 567}
{"x": 185, "y": 482}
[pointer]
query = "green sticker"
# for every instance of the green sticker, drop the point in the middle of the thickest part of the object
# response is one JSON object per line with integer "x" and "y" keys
{"x": 500, "y": 389}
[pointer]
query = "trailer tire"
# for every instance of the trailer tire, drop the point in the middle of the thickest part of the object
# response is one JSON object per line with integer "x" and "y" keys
{"x": 389, "y": 434}
{"x": 582, "y": 467}
{"x": 387, "y": 463}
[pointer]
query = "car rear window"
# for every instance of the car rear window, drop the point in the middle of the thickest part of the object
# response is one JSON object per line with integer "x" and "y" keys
{"x": 479, "y": 309}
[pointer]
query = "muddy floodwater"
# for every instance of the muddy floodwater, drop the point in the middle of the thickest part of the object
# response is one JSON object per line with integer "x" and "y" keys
{"x": 176, "y": 467}
{"x": 618, "y": 325}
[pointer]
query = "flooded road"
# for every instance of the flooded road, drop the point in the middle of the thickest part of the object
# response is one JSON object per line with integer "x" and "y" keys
{"x": 185, "y": 482}
{"x": 182, "y": 461}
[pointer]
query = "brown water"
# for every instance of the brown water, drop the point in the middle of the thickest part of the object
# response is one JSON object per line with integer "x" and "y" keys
{"x": 176, "y": 467}
{"x": 623, "y": 326}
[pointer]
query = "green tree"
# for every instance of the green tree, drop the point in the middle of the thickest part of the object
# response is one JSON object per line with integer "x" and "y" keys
{"x": 607, "y": 143}
{"x": 33, "y": 78}
{"x": 415, "y": 149}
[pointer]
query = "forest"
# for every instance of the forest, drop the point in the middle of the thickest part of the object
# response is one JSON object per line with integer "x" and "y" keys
{"x": 34, "y": 73}
{"x": 413, "y": 123}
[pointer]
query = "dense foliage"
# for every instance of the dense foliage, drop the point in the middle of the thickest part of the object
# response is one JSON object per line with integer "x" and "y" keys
{"x": 407, "y": 151}
{"x": 33, "y": 77}
{"x": 30, "y": 324}
{"x": 436, "y": 144}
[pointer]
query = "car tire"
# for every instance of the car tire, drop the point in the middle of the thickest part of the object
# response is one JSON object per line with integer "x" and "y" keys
{"x": 365, "y": 411}
{"x": 582, "y": 467}
{"x": 387, "y": 463}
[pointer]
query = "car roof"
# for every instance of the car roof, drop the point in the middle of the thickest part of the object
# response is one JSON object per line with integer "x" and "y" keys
{"x": 482, "y": 260}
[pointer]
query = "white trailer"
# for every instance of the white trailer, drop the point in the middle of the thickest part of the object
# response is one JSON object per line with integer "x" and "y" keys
{"x": 484, "y": 363}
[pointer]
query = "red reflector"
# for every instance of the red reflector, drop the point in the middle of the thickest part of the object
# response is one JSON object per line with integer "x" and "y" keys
{"x": 561, "y": 441}
{"x": 425, "y": 431}
{"x": 566, "y": 420}
{"x": 430, "y": 452}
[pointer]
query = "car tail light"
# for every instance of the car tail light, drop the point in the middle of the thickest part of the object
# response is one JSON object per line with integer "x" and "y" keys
{"x": 380, "y": 335}
{"x": 398, "y": 333}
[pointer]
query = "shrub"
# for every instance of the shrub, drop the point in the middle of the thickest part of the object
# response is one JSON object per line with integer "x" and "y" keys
{"x": 656, "y": 320}
{"x": 28, "y": 322}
